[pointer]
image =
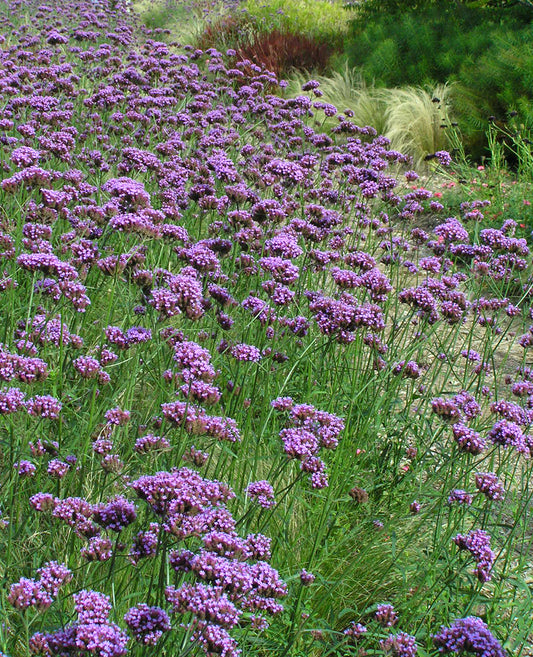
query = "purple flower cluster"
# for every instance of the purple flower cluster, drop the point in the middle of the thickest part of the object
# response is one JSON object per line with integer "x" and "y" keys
{"x": 92, "y": 633}
{"x": 262, "y": 492}
{"x": 509, "y": 434}
{"x": 459, "y": 407}
{"x": 459, "y": 496}
{"x": 309, "y": 430}
{"x": 467, "y": 439}
{"x": 477, "y": 542}
{"x": 116, "y": 514}
{"x": 147, "y": 624}
{"x": 489, "y": 484}
{"x": 44, "y": 406}
{"x": 39, "y": 593}
{"x": 470, "y": 635}
{"x": 400, "y": 645}
{"x": 246, "y": 352}
{"x": 354, "y": 632}
{"x": 386, "y": 615}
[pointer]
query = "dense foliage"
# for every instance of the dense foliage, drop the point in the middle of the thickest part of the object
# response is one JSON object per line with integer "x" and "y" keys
{"x": 485, "y": 50}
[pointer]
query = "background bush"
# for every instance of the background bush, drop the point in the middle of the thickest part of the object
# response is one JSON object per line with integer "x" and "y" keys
{"x": 282, "y": 52}
{"x": 281, "y": 36}
{"x": 487, "y": 47}
{"x": 323, "y": 20}
{"x": 498, "y": 83}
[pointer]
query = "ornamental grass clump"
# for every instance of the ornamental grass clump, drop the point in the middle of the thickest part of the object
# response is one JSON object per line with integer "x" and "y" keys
{"x": 262, "y": 392}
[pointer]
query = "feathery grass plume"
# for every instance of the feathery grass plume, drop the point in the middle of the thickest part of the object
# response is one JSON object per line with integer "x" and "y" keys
{"x": 416, "y": 118}
{"x": 347, "y": 90}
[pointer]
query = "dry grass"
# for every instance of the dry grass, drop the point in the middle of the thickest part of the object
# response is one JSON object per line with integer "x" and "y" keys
{"x": 411, "y": 117}
{"x": 415, "y": 119}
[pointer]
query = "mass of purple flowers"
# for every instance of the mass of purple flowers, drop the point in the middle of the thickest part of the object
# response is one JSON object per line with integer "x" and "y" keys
{"x": 249, "y": 366}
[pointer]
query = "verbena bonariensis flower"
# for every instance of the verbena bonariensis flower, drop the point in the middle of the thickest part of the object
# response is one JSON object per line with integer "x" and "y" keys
{"x": 309, "y": 430}
{"x": 512, "y": 412}
{"x": 147, "y": 623}
{"x": 11, "y": 400}
{"x": 206, "y": 602}
{"x": 282, "y": 403}
{"x": 408, "y": 369}
{"x": 99, "y": 548}
{"x": 193, "y": 506}
{"x": 193, "y": 361}
{"x": 195, "y": 456}
{"x": 477, "y": 542}
{"x": 117, "y": 416}
{"x": 422, "y": 301}
{"x": 400, "y": 645}
{"x": 25, "y": 369}
{"x": 77, "y": 513}
{"x": 489, "y": 484}
{"x": 57, "y": 468}
{"x": 185, "y": 486}
{"x": 25, "y": 468}
{"x": 467, "y": 439}
{"x": 92, "y": 633}
{"x": 469, "y": 635}
{"x": 150, "y": 443}
{"x": 262, "y": 492}
{"x": 452, "y": 231}
{"x": 115, "y": 514}
{"x": 52, "y": 576}
{"x": 508, "y": 434}
{"x": 344, "y": 316}
{"x": 468, "y": 405}
{"x": 40, "y": 593}
{"x": 144, "y": 544}
{"x": 201, "y": 392}
{"x": 459, "y": 496}
{"x": 183, "y": 295}
{"x": 386, "y": 615}
{"x": 454, "y": 409}
{"x": 354, "y": 632}
{"x": 92, "y": 606}
{"x": 415, "y": 507}
{"x": 28, "y": 593}
{"x": 88, "y": 367}
{"x": 306, "y": 578}
{"x": 299, "y": 443}
{"x": 44, "y": 406}
{"x": 246, "y": 352}
{"x": 214, "y": 639}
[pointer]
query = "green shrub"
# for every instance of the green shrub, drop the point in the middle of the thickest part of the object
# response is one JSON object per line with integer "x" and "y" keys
{"x": 368, "y": 8}
{"x": 427, "y": 45}
{"x": 495, "y": 86}
{"x": 281, "y": 36}
{"x": 487, "y": 47}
